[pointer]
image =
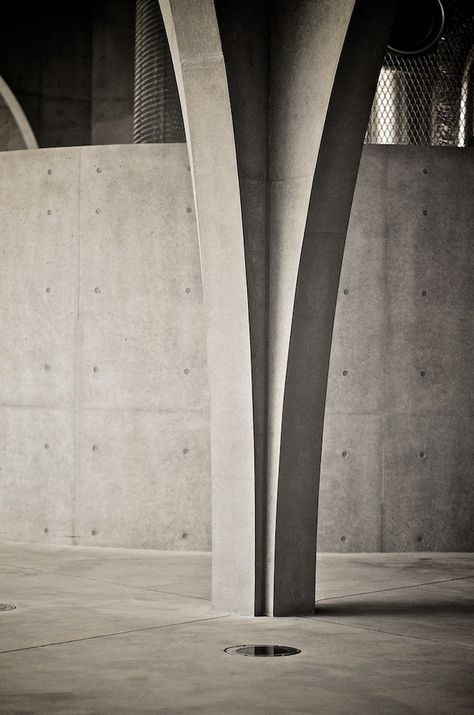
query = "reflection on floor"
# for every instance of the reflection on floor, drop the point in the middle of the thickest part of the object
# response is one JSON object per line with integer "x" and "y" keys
{"x": 121, "y": 631}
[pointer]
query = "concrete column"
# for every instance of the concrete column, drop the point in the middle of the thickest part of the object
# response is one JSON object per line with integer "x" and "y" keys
{"x": 201, "y": 77}
{"x": 314, "y": 305}
{"x": 306, "y": 47}
{"x": 287, "y": 67}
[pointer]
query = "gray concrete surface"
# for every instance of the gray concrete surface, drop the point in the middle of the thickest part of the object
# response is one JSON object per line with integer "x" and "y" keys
{"x": 244, "y": 30}
{"x": 139, "y": 488}
{"x": 143, "y": 324}
{"x": 103, "y": 380}
{"x": 128, "y": 631}
{"x": 406, "y": 311}
{"x": 193, "y": 36}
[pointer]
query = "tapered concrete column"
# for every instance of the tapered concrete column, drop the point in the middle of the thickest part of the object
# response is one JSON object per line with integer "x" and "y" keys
{"x": 315, "y": 303}
{"x": 200, "y": 72}
{"x": 287, "y": 66}
{"x": 306, "y": 47}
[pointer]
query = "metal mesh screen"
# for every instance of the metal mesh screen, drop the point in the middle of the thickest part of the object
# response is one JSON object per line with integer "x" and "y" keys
{"x": 427, "y": 99}
{"x": 157, "y": 110}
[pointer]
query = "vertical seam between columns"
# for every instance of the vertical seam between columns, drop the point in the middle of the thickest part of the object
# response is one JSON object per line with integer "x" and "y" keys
{"x": 264, "y": 526}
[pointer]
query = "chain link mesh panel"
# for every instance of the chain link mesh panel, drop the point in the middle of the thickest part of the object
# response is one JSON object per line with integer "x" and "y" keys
{"x": 157, "y": 111}
{"x": 428, "y": 99}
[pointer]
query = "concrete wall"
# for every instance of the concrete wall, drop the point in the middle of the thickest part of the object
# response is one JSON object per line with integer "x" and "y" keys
{"x": 398, "y": 444}
{"x": 103, "y": 379}
{"x": 110, "y": 279}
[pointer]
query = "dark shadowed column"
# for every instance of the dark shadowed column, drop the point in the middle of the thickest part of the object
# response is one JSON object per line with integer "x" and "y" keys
{"x": 245, "y": 37}
{"x": 315, "y": 303}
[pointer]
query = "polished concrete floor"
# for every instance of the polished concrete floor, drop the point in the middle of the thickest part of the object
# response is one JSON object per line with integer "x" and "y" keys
{"x": 120, "y": 631}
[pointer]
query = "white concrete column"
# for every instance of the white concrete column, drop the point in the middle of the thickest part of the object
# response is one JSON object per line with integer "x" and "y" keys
{"x": 200, "y": 71}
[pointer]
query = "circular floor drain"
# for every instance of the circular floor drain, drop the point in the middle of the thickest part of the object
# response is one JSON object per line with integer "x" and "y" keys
{"x": 262, "y": 651}
{"x": 6, "y": 607}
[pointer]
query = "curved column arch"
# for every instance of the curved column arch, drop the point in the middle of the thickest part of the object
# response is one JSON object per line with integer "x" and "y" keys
{"x": 307, "y": 39}
{"x": 280, "y": 61}
{"x": 195, "y": 46}
{"x": 18, "y": 115}
{"x": 315, "y": 303}
{"x": 276, "y": 127}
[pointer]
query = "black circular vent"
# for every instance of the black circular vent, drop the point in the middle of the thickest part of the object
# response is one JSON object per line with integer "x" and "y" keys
{"x": 262, "y": 651}
{"x": 418, "y": 27}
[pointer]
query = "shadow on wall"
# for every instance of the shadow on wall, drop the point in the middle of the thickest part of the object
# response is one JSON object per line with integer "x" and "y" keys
{"x": 71, "y": 66}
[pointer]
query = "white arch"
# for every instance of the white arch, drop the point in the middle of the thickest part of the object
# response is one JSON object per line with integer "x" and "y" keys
{"x": 196, "y": 51}
{"x": 18, "y": 115}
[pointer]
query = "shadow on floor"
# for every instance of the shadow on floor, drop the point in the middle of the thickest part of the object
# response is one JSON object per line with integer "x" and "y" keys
{"x": 399, "y": 607}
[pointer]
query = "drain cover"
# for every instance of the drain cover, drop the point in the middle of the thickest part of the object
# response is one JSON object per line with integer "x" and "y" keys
{"x": 262, "y": 651}
{"x": 6, "y": 607}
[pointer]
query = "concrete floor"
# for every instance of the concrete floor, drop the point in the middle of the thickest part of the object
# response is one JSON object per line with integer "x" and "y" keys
{"x": 121, "y": 631}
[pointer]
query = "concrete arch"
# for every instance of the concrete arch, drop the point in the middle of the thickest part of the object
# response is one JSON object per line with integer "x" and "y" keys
{"x": 195, "y": 46}
{"x": 290, "y": 51}
{"x": 22, "y": 125}
{"x": 281, "y": 59}
{"x": 315, "y": 304}
{"x": 262, "y": 86}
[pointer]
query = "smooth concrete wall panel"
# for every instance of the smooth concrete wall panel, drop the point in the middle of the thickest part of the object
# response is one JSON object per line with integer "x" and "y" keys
{"x": 358, "y": 335}
{"x": 39, "y": 213}
{"x": 351, "y": 471}
{"x": 429, "y": 250}
{"x": 148, "y": 481}
{"x": 140, "y": 286}
{"x": 428, "y": 484}
{"x": 144, "y": 453}
{"x": 351, "y": 486}
{"x": 36, "y": 474}
{"x": 407, "y": 311}
{"x": 101, "y": 270}
{"x": 144, "y": 480}
{"x": 38, "y": 308}
{"x": 429, "y": 347}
